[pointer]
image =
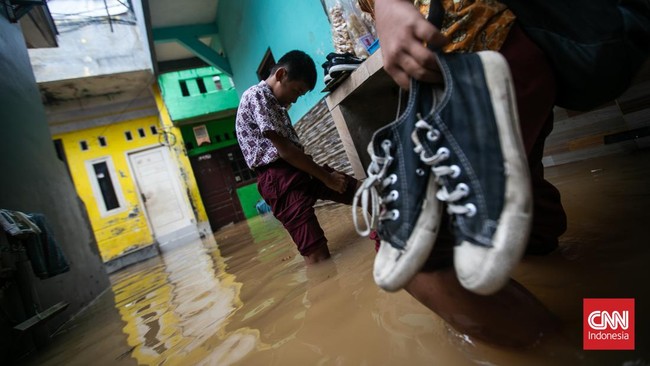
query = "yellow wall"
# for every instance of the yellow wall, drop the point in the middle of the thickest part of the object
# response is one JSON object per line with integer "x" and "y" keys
{"x": 127, "y": 229}
{"x": 180, "y": 156}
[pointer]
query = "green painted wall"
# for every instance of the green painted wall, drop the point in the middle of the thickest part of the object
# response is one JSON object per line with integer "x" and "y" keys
{"x": 223, "y": 129}
{"x": 197, "y": 103}
{"x": 247, "y": 28}
{"x": 248, "y": 197}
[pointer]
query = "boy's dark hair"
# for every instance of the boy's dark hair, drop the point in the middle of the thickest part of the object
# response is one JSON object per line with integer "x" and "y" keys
{"x": 299, "y": 67}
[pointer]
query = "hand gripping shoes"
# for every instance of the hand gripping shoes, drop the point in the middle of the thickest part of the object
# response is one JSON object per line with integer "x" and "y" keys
{"x": 473, "y": 145}
{"x": 401, "y": 192}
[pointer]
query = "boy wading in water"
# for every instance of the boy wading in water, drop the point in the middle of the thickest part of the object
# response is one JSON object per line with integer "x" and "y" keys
{"x": 288, "y": 179}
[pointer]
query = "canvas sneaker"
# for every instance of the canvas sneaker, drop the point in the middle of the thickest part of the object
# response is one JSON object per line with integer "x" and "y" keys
{"x": 337, "y": 62}
{"x": 399, "y": 198}
{"x": 337, "y": 68}
{"x": 473, "y": 145}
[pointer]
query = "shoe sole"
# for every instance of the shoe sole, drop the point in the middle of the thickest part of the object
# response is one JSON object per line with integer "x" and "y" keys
{"x": 394, "y": 268}
{"x": 485, "y": 270}
{"x": 343, "y": 67}
{"x": 332, "y": 83}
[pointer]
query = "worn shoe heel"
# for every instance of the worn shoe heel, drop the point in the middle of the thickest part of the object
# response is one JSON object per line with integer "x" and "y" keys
{"x": 473, "y": 144}
{"x": 485, "y": 269}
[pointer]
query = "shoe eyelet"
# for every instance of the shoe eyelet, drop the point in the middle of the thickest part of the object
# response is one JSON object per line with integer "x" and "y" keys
{"x": 393, "y": 195}
{"x": 471, "y": 209}
{"x": 463, "y": 188}
{"x": 386, "y": 144}
{"x": 433, "y": 135}
{"x": 394, "y": 215}
{"x": 393, "y": 178}
{"x": 456, "y": 171}
{"x": 444, "y": 152}
{"x": 420, "y": 172}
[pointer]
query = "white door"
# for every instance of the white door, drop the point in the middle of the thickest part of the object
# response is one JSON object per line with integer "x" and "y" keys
{"x": 161, "y": 193}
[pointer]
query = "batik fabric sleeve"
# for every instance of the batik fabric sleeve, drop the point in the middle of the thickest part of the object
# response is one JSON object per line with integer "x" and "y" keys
{"x": 259, "y": 112}
{"x": 473, "y": 25}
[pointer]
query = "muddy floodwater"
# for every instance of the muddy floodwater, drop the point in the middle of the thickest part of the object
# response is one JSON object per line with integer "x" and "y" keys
{"x": 245, "y": 297}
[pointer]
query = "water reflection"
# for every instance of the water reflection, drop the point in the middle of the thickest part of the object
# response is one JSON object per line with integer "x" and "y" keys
{"x": 250, "y": 300}
{"x": 176, "y": 311}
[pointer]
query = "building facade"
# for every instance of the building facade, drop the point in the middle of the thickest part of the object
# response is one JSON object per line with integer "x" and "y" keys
{"x": 109, "y": 125}
{"x": 202, "y": 102}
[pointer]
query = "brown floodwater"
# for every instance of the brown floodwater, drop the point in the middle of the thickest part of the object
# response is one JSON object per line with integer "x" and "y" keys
{"x": 245, "y": 297}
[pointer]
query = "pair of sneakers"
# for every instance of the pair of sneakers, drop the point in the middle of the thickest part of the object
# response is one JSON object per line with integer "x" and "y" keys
{"x": 337, "y": 67}
{"x": 459, "y": 148}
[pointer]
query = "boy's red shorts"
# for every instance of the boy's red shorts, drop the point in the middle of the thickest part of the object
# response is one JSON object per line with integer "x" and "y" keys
{"x": 292, "y": 193}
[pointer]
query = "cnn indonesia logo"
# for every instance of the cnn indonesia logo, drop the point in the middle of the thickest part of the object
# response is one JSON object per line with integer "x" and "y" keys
{"x": 608, "y": 324}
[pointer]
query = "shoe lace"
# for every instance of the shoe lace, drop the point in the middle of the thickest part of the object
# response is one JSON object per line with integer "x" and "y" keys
{"x": 369, "y": 195}
{"x": 461, "y": 190}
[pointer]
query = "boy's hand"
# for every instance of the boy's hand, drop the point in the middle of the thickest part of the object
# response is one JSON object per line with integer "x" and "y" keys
{"x": 403, "y": 35}
{"x": 336, "y": 181}
{"x": 296, "y": 157}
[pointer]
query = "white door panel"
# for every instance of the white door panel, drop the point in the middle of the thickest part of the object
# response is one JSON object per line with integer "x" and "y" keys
{"x": 161, "y": 191}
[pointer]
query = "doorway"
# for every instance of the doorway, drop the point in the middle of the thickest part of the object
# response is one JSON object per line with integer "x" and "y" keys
{"x": 161, "y": 194}
{"x": 218, "y": 184}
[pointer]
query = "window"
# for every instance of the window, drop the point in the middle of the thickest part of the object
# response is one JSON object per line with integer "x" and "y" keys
{"x": 128, "y": 135}
{"x": 226, "y": 136}
{"x": 201, "y": 85}
{"x": 184, "y": 91}
{"x": 201, "y": 135}
{"x": 141, "y": 132}
{"x": 84, "y": 145}
{"x": 217, "y": 138}
{"x": 264, "y": 70}
{"x": 102, "y": 141}
{"x": 217, "y": 82}
{"x": 239, "y": 168}
{"x": 154, "y": 130}
{"x": 105, "y": 185}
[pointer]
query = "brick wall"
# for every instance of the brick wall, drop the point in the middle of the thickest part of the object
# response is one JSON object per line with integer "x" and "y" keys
{"x": 318, "y": 134}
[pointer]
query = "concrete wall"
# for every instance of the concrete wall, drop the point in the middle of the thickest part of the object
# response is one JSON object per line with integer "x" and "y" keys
{"x": 216, "y": 128}
{"x": 248, "y": 197}
{"x": 198, "y": 103}
{"x": 93, "y": 50}
{"x": 34, "y": 180}
{"x": 248, "y": 27}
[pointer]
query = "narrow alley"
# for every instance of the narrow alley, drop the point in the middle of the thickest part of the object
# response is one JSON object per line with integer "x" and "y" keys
{"x": 245, "y": 298}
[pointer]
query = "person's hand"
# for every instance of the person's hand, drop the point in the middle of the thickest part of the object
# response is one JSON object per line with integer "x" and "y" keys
{"x": 403, "y": 35}
{"x": 336, "y": 181}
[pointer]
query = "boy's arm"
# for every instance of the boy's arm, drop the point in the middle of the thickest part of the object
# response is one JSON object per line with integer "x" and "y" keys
{"x": 403, "y": 34}
{"x": 294, "y": 156}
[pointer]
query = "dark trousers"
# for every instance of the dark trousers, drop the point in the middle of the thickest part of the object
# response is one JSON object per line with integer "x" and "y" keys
{"x": 535, "y": 89}
{"x": 292, "y": 193}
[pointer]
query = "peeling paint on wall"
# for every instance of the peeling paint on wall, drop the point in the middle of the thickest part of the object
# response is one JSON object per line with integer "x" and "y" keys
{"x": 135, "y": 212}
{"x": 117, "y": 231}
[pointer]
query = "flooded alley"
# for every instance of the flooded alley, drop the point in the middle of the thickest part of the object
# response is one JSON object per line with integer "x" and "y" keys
{"x": 245, "y": 297}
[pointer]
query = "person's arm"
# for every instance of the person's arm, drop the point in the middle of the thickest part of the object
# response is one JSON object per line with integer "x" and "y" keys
{"x": 296, "y": 157}
{"x": 403, "y": 35}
